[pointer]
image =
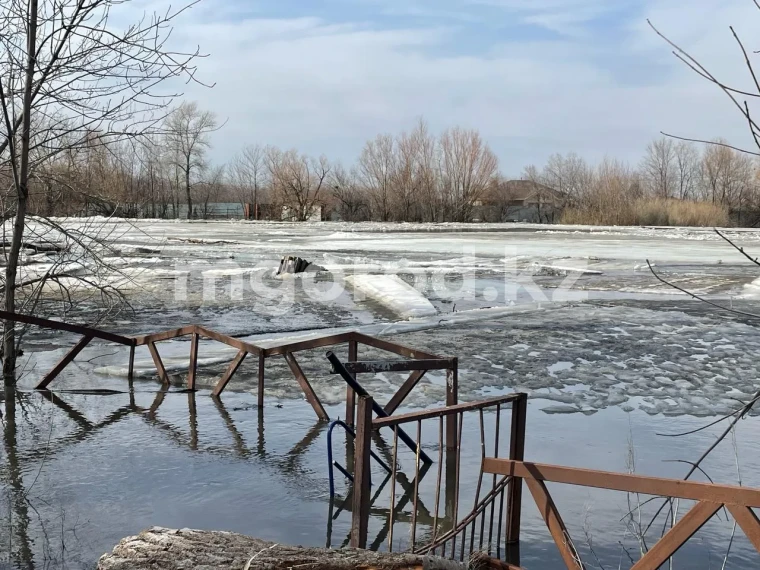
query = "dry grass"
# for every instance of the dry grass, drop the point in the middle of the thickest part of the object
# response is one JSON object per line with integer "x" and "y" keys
{"x": 650, "y": 212}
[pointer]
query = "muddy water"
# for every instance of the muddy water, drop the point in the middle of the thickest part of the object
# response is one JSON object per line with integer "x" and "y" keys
{"x": 82, "y": 471}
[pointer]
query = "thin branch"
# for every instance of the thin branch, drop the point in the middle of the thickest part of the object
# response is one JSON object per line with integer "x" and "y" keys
{"x": 737, "y": 248}
{"x": 699, "y": 298}
{"x": 714, "y": 143}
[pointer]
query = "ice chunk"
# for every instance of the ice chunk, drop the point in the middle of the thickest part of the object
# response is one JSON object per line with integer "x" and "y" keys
{"x": 395, "y": 294}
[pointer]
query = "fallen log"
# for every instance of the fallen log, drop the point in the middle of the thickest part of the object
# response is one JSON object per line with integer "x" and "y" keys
{"x": 166, "y": 549}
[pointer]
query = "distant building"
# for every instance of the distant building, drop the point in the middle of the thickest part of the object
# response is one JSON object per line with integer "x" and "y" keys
{"x": 521, "y": 201}
{"x": 278, "y": 213}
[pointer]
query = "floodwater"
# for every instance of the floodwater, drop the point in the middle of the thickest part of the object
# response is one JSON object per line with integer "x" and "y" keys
{"x": 83, "y": 471}
{"x": 609, "y": 373}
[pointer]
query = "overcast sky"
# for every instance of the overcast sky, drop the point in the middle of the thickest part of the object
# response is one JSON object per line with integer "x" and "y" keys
{"x": 534, "y": 76}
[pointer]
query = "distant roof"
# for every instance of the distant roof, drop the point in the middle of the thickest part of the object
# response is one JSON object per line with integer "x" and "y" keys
{"x": 524, "y": 190}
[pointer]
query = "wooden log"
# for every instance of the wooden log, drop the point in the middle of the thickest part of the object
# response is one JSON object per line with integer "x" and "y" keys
{"x": 166, "y": 549}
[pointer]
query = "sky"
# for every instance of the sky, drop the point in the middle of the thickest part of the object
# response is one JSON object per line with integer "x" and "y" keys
{"x": 535, "y": 77}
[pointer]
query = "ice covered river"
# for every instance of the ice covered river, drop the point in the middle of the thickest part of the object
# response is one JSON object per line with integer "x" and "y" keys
{"x": 612, "y": 360}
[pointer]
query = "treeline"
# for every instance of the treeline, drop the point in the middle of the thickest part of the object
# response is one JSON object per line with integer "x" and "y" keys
{"x": 676, "y": 183}
{"x": 414, "y": 176}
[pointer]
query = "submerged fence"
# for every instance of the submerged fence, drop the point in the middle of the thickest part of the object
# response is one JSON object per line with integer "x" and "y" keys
{"x": 489, "y": 526}
{"x": 418, "y": 362}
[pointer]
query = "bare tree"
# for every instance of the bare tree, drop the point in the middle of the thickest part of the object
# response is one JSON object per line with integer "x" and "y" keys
{"x": 298, "y": 180}
{"x": 570, "y": 175}
{"x": 659, "y": 168}
{"x": 348, "y": 194}
{"x": 728, "y": 179}
{"x": 250, "y": 175}
{"x": 426, "y": 179}
{"x": 67, "y": 78}
{"x": 468, "y": 169}
{"x": 377, "y": 168}
{"x": 687, "y": 169}
{"x": 210, "y": 189}
{"x": 188, "y": 130}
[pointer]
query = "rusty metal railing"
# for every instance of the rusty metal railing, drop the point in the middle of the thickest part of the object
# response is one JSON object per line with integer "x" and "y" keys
{"x": 419, "y": 362}
{"x": 494, "y": 521}
{"x": 709, "y": 499}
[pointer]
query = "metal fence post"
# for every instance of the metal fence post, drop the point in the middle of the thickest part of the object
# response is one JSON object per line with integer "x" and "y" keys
{"x": 361, "y": 498}
{"x": 353, "y": 349}
{"x": 516, "y": 453}
{"x": 260, "y": 394}
{"x": 452, "y": 399}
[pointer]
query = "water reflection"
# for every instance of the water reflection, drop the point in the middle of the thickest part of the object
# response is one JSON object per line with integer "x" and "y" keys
{"x": 19, "y": 547}
{"x": 79, "y": 471}
{"x": 27, "y": 455}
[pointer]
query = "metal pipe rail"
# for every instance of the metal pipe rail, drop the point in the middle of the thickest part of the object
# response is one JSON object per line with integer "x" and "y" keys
{"x": 331, "y": 463}
{"x": 497, "y": 509}
{"x": 362, "y": 393}
{"x": 419, "y": 362}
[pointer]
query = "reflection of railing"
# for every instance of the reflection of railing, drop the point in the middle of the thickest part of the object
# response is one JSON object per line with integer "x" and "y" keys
{"x": 494, "y": 530}
{"x": 709, "y": 497}
{"x": 419, "y": 362}
{"x": 331, "y": 463}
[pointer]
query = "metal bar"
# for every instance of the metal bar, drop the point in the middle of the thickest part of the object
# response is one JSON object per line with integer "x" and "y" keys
{"x": 498, "y": 526}
{"x": 131, "y": 369}
{"x": 456, "y": 490}
{"x": 350, "y": 432}
{"x": 461, "y": 525}
{"x": 374, "y": 366}
{"x": 392, "y": 347}
{"x": 63, "y": 363}
{"x": 403, "y": 391}
{"x": 711, "y": 492}
{"x": 493, "y": 485}
{"x": 228, "y": 340}
{"x": 231, "y": 369}
{"x": 165, "y": 335}
{"x": 191, "y": 372}
{"x": 309, "y": 344}
{"x": 360, "y": 391}
{"x": 343, "y": 470}
{"x": 353, "y": 350}
{"x": 452, "y": 394}
{"x": 58, "y": 325}
{"x": 749, "y": 523}
{"x": 361, "y": 501}
{"x": 393, "y": 491}
{"x": 193, "y": 419}
{"x": 308, "y": 391}
{"x": 163, "y": 376}
{"x": 554, "y": 523}
{"x": 516, "y": 453}
{"x": 389, "y": 421}
{"x": 674, "y": 539}
{"x": 260, "y": 394}
{"x": 480, "y": 481}
{"x": 438, "y": 479}
{"x": 330, "y": 462}
{"x": 416, "y": 483}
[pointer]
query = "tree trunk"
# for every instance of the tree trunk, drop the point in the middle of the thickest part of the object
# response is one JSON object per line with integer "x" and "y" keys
{"x": 165, "y": 549}
{"x": 22, "y": 193}
{"x": 187, "y": 190}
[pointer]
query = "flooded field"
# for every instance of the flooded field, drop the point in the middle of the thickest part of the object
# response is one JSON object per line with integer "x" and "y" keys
{"x": 611, "y": 358}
